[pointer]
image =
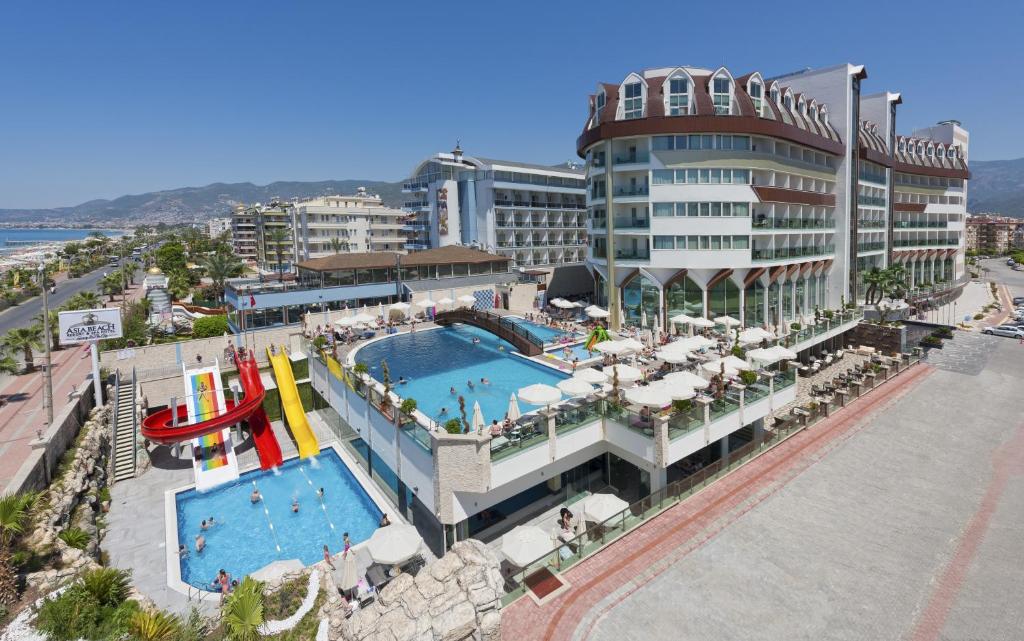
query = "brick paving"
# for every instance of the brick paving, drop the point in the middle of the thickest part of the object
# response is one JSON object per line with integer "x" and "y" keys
{"x": 610, "y": 576}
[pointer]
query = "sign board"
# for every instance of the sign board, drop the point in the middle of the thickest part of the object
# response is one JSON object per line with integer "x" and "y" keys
{"x": 87, "y": 325}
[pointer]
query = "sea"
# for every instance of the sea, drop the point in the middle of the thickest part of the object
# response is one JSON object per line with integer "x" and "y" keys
{"x": 13, "y": 238}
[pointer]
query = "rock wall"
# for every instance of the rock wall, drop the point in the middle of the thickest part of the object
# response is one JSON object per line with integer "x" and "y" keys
{"x": 884, "y": 338}
{"x": 453, "y": 599}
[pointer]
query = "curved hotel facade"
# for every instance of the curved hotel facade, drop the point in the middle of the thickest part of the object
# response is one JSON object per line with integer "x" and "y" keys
{"x": 712, "y": 194}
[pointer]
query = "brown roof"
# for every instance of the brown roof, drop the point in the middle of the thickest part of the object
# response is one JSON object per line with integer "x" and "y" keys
{"x": 449, "y": 255}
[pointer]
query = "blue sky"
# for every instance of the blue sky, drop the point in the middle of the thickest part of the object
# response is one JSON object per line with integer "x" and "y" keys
{"x": 102, "y": 98}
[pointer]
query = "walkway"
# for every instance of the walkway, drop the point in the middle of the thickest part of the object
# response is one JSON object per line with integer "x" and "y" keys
{"x": 881, "y": 523}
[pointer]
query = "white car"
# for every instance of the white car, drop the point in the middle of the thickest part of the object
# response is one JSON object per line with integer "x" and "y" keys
{"x": 1012, "y": 331}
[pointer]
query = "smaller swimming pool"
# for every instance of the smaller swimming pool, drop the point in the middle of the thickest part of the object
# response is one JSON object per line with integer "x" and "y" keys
{"x": 243, "y": 541}
{"x": 543, "y": 332}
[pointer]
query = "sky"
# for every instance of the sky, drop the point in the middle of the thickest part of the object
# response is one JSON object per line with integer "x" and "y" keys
{"x": 100, "y": 99}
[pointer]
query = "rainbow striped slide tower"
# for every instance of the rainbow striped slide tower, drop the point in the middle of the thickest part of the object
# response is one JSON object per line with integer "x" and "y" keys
{"x": 213, "y": 456}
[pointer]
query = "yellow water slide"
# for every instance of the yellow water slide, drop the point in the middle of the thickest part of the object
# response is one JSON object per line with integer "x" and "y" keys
{"x": 304, "y": 437}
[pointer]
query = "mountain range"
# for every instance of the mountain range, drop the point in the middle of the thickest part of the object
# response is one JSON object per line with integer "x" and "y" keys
{"x": 996, "y": 186}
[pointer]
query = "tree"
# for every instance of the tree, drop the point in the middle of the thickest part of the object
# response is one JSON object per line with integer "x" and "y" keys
{"x": 8, "y": 365}
{"x": 84, "y": 300}
{"x": 170, "y": 257}
{"x": 220, "y": 267}
{"x": 24, "y": 340}
{"x": 278, "y": 237}
{"x": 130, "y": 269}
{"x": 895, "y": 281}
{"x": 14, "y": 512}
{"x": 337, "y": 245}
{"x": 179, "y": 284}
{"x": 155, "y": 626}
{"x": 874, "y": 280}
{"x": 54, "y": 318}
{"x": 210, "y": 326}
{"x": 244, "y": 611}
{"x": 111, "y": 285}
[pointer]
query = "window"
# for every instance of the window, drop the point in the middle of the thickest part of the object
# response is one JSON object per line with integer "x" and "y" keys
{"x": 931, "y": 151}
{"x": 756, "y": 90}
{"x": 775, "y": 95}
{"x": 664, "y": 209}
{"x": 663, "y": 143}
{"x": 634, "y": 105}
{"x": 662, "y": 176}
{"x": 678, "y": 96}
{"x": 741, "y": 242}
{"x": 788, "y": 102}
{"x": 813, "y": 112}
{"x": 599, "y": 105}
{"x": 902, "y": 146}
{"x": 721, "y": 95}
{"x": 950, "y": 153}
{"x": 664, "y": 242}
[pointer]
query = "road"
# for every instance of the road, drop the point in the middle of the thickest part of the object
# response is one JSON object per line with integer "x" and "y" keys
{"x": 24, "y": 314}
{"x": 999, "y": 272}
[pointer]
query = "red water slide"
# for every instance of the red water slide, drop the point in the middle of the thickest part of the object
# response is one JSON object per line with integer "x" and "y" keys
{"x": 159, "y": 426}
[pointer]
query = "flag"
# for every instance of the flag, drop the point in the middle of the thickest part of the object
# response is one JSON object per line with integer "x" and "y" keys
{"x": 252, "y": 300}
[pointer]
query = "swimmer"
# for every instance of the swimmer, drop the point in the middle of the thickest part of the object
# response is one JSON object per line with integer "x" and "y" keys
{"x": 452, "y": 390}
{"x": 255, "y": 496}
{"x": 402, "y": 380}
{"x": 485, "y": 381}
{"x": 203, "y": 526}
{"x": 320, "y": 493}
{"x": 444, "y": 410}
{"x": 200, "y": 543}
{"x": 470, "y": 385}
{"x": 295, "y": 506}
{"x": 182, "y": 551}
{"x": 210, "y": 521}
{"x": 475, "y": 340}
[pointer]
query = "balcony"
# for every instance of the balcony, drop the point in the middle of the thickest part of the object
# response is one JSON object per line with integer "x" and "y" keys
{"x": 913, "y": 224}
{"x": 870, "y": 224}
{"x": 870, "y": 201}
{"x": 640, "y": 253}
{"x": 935, "y": 242}
{"x": 793, "y": 223}
{"x": 415, "y": 186}
{"x": 784, "y": 253}
{"x": 632, "y": 191}
{"x": 632, "y": 159}
{"x": 872, "y": 177}
{"x": 639, "y": 224}
{"x": 863, "y": 248}
{"x": 416, "y": 205}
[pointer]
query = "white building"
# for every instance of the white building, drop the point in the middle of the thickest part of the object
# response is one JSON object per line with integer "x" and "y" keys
{"x": 534, "y": 214}
{"x": 217, "y": 226}
{"x": 357, "y": 223}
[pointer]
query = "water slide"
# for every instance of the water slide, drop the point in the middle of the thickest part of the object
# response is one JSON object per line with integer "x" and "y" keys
{"x": 304, "y": 437}
{"x": 174, "y": 425}
{"x": 213, "y": 461}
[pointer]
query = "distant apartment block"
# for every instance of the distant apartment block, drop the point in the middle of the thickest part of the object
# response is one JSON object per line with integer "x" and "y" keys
{"x": 218, "y": 226}
{"x": 346, "y": 224}
{"x": 994, "y": 234}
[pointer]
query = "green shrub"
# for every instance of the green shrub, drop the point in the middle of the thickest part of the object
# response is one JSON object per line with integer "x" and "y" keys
{"x": 931, "y": 341}
{"x": 795, "y": 327}
{"x": 453, "y": 426}
{"x": 748, "y": 377}
{"x": 943, "y": 332}
{"x": 737, "y": 351}
{"x": 979, "y": 316}
{"x": 408, "y": 406}
{"x": 103, "y": 495}
{"x": 74, "y": 537}
{"x": 682, "y": 406}
{"x": 95, "y": 608}
{"x": 210, "y": 326}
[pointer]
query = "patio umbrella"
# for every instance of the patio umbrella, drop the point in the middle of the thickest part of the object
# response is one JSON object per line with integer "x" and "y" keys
{"x": 349, "y": 573}
{"x": 614, "y": 348}
{"x": 400, "y": 306}
{"x": 702, "y": 322}
{"x": 627, "y": 374}
{"x": 591, "y": 375}
{"x": 394, "y": 544}
{"x": 597, "y": 312}
{"x": 643, "y": 317}
{"x": 575, "y": 387}
{"x": 445, "y": 301}
{"x": 348, "y": 321}
{"x": 362, "y": 319}
{"x": 784, "y": 353}
{"x": 525, "y": 544}
{"x": 728, "y": 321}
{"x": 478, "y": 418}
{"x": 736, "y": 362}
{"x": 469, "y": 300}
{"x": 561, "y": 303}
{"x": 767, "y": 356}
{"x": 426, "y": 303}
{"x": 650, "y": 396}
{"x": 693, "y": 343}
{"x": 715, "y": 367}
{"x": 672, "y": 356}
{"x": 633, "y": 344}
{"x": 755, "y": 335}
{"x": 513, "y": 413}
{"x": 277, "y": 569}
{"x": 600, "y": 507}
{"x": 540, "y": 394}
{"x": 686, "y": 379}
{"x": 681, "y": 393}
{"x": 681, "y": 319}
{"x": 380, "y": 309}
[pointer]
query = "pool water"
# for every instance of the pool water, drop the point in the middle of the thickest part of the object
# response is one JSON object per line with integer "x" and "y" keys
{"x": 577, "y": 351}
{"x": 543, "y": 332}
{"x": 242, "y": 541}
{"x": 436, "y": 360}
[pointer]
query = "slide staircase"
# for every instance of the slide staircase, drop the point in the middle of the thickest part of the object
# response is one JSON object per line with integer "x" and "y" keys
{"x": 125, "y": 427}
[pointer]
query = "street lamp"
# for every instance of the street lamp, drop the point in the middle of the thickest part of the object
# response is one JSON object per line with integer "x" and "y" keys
{"x": 47, "y": 380}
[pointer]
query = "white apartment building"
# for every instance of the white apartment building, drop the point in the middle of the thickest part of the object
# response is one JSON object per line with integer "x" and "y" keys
{"x": 357, "y": 223}
{"x": 534, "y": 214}
{"x": 217, "y": 226}
{"x": 764, "y": 199}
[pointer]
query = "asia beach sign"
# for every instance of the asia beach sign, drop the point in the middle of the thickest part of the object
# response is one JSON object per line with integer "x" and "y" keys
{"x": 87, "y": 325}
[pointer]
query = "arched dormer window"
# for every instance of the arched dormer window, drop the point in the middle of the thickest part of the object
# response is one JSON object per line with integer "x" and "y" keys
{"x": 600, "y": 100}
{"x": 755, "y": 89}
{"x": 823, "y": 110}
{"x": 678, "y": 90}
{"x": 774, "y": 93}
{"x": 787, "y": 100}
{"x": 951, "y": 152}
{"x": 802, "y": 106}
{"x": 920, "y": 149}
{"x": 940, "y": 151}
{"x": 930, "y": 151}
{"x": 631, "y": 97}
{"x": 721, "y": 92}
{"x": 901, "y": 145}
{"x": 812, "y": 111}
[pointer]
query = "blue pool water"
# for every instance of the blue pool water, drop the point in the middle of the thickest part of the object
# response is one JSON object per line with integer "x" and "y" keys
{"x": 578, "y": 351}
{"x": 545, "y": 333}
{"x": 436, "y": 360}
{"x": 241, "y": 542}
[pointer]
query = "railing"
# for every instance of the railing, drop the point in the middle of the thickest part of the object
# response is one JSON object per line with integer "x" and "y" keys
{"x": 573, "y": 416}
{"x": 870, "y": 224}
{"x": 927, "y": 243}
{"x": 524, "y": 340}
{"x": 870, "y": 247}
{"x": 875, "y": 178}
{"x": 524, "y": 436}
{"x": 135, "y": 417}
{"x": 782, "y": 253}
{"x": 628, "y": 159}
{"x": 793, "y": 223}
{"x": 911, "y": 224}
{"x": 871, "y": 201}
{"x": 415, "y": 186}
{"x": 632, "y": 223}
{"x": 632, "y": 191}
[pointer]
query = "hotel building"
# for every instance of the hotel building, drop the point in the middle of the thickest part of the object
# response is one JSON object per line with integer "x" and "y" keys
{"x": 534, "y": 214}
{"x": 987, "y": 233}
{"x": 357, "y": 223}
{"x": 764, "y": 199}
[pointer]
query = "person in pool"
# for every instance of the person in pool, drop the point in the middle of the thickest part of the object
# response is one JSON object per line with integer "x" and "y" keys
{"x": 211, "y": 522}
{"x": 204, "y": 526}
{"x": 402, "y": 380}
{"x": 485, "y": 381}
{"x": 200, "y": 543}
{"x": 444, "y": 410}
{"x": 320, "y": 493}
{"x": 255, "y": 496}
{"x": 183, "y": 551}
{"x": 452, "y": 391}
{"x": 470, "y": 385}
{"x": 295, "y": 506}
{"x": 475, "y": 340}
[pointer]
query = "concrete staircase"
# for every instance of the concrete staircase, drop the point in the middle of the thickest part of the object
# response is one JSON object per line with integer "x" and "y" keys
{"x": 125, "y": 428}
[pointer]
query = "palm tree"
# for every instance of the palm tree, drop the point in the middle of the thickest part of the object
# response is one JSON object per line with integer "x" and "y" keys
{"x": 8, "y": 365}
{"x": 154, "y": 626}
{"x": 54, "y": 318}
{"x": 129, "y": 270}
{"x": 337, "y": 245}
{"x": 243, "y": 611}
{"x": 85, "y": 300}
{"x": 277, "y": 237}
{"x": 14, "y": 512}
{"x": 24, "y": 339}
{"x": 110, "y": 285}
{"x": 895, "y": 283}
{"x": 220, "y": 267}
{"x": 873, "y": 279}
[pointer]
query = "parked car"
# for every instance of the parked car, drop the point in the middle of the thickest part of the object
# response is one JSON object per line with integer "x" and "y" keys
{"x": 1018, "y": 300}
{"x": 1010, "y": 331}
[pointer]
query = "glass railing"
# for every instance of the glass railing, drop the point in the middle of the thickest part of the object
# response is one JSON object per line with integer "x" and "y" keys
{"x": 681, "y": 424}
{"x": 927, "y": 243}
{"x": 911, "y": 224}
{"x": 782, "y": 253}
{"x": 572, "y": 416}
{"x": 626, "y": 159}
{"x": 870, "y": 247}
{"x": 872, "y": 201}
{"x": 755, "y": 392}
{"x": 533, "y": 431}
{"x": 721, "y": 407}
{"x": 870, "y": 224}
{"x": 419, "y": 434}
{"x": 872, "y": 177}
{"x": 793, "y": 223}
{"x": 784, "y": 379}
{"x": 632, "y": 254}
{"x": 418, "y": 186}
{"x": 632, "y": 223}
{"x": 632, "y": 191}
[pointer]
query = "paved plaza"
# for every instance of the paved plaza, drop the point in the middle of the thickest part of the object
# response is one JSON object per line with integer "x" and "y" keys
{"x": 892, "y": 520}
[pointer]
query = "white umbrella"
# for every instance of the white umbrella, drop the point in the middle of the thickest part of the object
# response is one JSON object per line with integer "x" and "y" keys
{"x": 445, "y": 301}
{"x": 591, "y": 375}
{"x": 702, "y": 322}
{"x": 672, "y": 356}
{"x": 539, "y": 394}
{"x": 561, "y": 303}
{"x": 349, "y": 573}
{"x": 681, "y": 319}
{"x": 601, "y": 507}
{"x": 597, "y": 312}
{"x": 766, "y": 356}
{"x": 575, "y": 387}
{"x": 784, "y": 353}
{"x": 469, "y": 300}
{"x": 681, "y": 393}
{"x": 686, "y": 379}
{"x": 362, "y": 318}
{"x": 715, "y": 367}
{"x": 394, "y": 544}
{"x": 426, "y": 303}
{"x": 633, "y": 344}
{"x": 614, "y": 348}
{"x": 400, "y": 306}
{"x": 478, "y": 418}
{"x": 755, "y": 335}
{"x": 348, "y": 321}
{"x": 627, "y": 374}
{"x": 643, "y": 317}
{"x": 693, "y": 343}
{"x": 728, "y": 321}
{"x": 736, "y": 362}
{"x": 650, "y": 396}
{"x": 513, "y": 413}
{"x": 525, "y": 544}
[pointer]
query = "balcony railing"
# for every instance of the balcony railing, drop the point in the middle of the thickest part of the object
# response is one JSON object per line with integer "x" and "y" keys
{"x": 936, "y": 242}
{"x": 794, "y": 223}
{"x": 632, "y": 254}
{"x": 872, "y": 177}
{"x": 870, "y": 224}
{"x": 628, "y": 159}
{"x": 632, "y": 223}
{"x": 640, "y": 190}
{"x": 923, "y": 224}
{"x": 782, "y": 253}
{"x": 869, "y": 247}
{"x": 871, "y": 201}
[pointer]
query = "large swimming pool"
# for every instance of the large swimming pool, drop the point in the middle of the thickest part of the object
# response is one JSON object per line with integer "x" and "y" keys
{"x": 242, "y": 541}
{"x": 436, "y": 360}
{"x": 543, "y": 332}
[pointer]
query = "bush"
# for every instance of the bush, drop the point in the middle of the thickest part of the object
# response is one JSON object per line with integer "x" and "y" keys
{"x": 979, "y": 316}
{"x": 931, "y": 341}
{"x": 408, "y": 406}
{"x": 682, "y": 406}
{"x": 737, "y": 351}
{"x": 95, "y": 608}
{"x": 74, "y": 537}
{"x": 453, "y": 426}
{"x": 748, "y": 377}
{"x": 210, "y": 326}
{"x": 943, "y": 332}
{"x": 795, "y": 327}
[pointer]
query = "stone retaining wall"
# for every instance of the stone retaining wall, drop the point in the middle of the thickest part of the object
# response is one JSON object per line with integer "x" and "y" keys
{"x": 884, "y": 338}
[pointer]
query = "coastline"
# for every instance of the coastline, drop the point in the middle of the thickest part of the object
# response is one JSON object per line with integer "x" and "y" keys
{"x": 33, "y": 252}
